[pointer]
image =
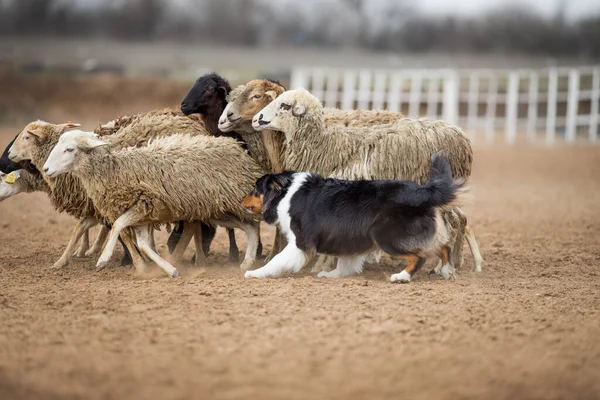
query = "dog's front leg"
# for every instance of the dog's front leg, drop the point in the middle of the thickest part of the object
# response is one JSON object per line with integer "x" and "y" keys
{"x": 291, "y": 259}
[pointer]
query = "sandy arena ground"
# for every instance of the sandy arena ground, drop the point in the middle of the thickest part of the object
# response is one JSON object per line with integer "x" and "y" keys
{"x": 528, "y": 327}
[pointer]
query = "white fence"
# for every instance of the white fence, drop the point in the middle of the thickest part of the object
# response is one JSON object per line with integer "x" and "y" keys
{"x": 524, "y": 104}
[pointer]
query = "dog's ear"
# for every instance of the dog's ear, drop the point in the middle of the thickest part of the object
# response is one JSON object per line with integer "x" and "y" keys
{"x": 280, "y": 181}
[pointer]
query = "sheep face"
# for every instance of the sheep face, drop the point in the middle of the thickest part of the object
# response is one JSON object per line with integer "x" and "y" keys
{"x": 10, "y": 184}
{"x": 34, "y": 134}
{"x": 70, "y": 147}
{"x": 257, "y": 94}
{"x": 6, "y": 165}
{"x": 208, "y": 91}
{"x": 285, "y": 112}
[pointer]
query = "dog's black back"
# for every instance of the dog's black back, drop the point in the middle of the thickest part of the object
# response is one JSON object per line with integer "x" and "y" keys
{"x": 340, "y": 217}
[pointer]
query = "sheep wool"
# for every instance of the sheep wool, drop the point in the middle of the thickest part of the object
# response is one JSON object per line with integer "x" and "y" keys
{"x": 174, "y": 178}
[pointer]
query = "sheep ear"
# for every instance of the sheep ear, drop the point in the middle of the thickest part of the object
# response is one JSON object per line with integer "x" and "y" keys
{"x": 67, "y": 125}
{"x": 298, "y": 110}
{"x": 38, "y": 133}
{"x": 92, "y": 144}
{"x": 222, "y": 89}
{"x": 272, "y": 94}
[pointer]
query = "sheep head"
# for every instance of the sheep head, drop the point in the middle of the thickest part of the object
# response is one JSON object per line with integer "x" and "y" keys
{"x": 286, "y": 111}
{"x": 10, "y": 184}
{"x": 254, "y": 96}
{"x": 207, "y": 94}
{"x": 64, "y": 156}
{"x": 34, "y": 134}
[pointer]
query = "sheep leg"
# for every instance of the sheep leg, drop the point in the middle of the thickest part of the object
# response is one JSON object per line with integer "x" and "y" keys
{"x": 152, "y": 241}
{"x": 129, "y": 218}
{"x": 200, "y": 260}
{"x": 252, "y": 234}
{"x": 129, "y": 240}
{"x": 474, "y": 249}
{"x": 143, "y": 239}
{"x": 99, "y": 242}
{"x": 259, "y": 249}
{"x": 460, "y": 222}
{"x": 346, "y": 266}
{"x": 189, "y": 228}
{"x": 234, "y": 251}
{"x": 83, "y": 246}
{"x": 82, "y": 226}
{"x": 323, "y": 263}
{"x": 279, "y": 243}
{"x": 291, "y": 259}
{"x": 174, "y": 236}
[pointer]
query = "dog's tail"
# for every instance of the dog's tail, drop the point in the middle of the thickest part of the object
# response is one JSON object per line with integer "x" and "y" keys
{"x": 441, "y": 190}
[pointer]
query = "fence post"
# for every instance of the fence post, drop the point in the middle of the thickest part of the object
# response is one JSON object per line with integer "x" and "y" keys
{"x": 318, "y": 84}
{"x": 593, "y": 133}
{"x": 432, "y": 98}
{"x": 349, "y": 90}
{"x": 473, "y": 106}
{"x": 364, "y": 89}
{"x": 299, "y": 78}
{"x": 512, "y": 107}
{"x": 394, "y": 100}
{"x": 332, "y": 89}
{"x": 379, "y": 90}
{"x": 572, "y": 105}
{"x": 490, "y": 133}
{"x": 551, "y": 109}
{"x": 414, "y": 102}
{"x": 532, "y": 107}
{"x": 451, "y": 93}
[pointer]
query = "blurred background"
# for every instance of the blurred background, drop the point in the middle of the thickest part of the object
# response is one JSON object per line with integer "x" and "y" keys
{"x": 66, "y": 58}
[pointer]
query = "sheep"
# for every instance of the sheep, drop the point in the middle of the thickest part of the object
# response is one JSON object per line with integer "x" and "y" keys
{"x": 179, "y": 177}
{"x": 66, "y": 194}
{"x": 355, "y": 153}
{"x": 208, "y": 97}
{"x": 246, "y": 100}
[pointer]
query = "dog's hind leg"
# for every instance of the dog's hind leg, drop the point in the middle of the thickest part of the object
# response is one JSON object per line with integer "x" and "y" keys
{"x": 414, "y": 264}
{"x": 346, "y": 266}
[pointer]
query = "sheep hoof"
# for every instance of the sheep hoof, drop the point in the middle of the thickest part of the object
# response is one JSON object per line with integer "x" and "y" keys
{"x": 246, "y": 265}
{"x": 233, "y": 258}
{"x": 60, "y": 263}
{"x": 175, "y": 274}
{"x": 433, "y": 274}
{"x": 90, "y": 252}
{"x": 101, "y": 265}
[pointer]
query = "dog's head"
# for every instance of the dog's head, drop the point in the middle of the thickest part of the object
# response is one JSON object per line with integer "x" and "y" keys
{"x": 267, "y": 188}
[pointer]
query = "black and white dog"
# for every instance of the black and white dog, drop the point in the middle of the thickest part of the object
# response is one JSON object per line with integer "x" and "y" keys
{"x": 349, "y": 219}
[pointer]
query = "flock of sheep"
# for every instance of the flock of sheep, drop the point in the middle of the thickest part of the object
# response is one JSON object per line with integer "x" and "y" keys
{"x": 192, "y": 167}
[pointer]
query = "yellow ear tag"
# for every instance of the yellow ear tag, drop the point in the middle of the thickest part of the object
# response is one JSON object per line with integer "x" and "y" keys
{"x": 11, "y": 178}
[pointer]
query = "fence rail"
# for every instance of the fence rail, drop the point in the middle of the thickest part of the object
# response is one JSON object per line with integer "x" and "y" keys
{"x": 555, "y": 102}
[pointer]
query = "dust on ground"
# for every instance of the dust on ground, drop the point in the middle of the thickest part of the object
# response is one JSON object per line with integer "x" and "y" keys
{"x": 527, "y": 327}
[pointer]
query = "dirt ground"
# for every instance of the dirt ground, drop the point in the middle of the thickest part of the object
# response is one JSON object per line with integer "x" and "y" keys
{"x": 528, "y": 327}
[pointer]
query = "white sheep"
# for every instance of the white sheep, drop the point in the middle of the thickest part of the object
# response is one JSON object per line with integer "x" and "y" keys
{"x": 398, "y": 151}
{"x": 180, "y": 177}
